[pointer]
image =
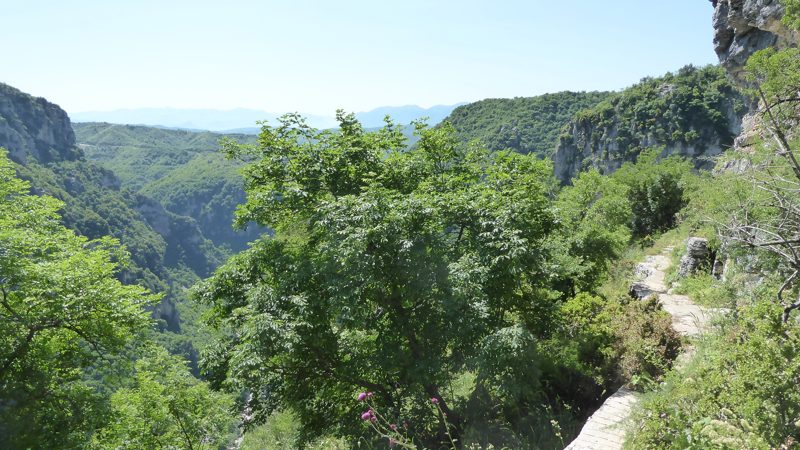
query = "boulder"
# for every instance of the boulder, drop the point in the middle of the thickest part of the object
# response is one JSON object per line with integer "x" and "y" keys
{"x": 640, "y": 290}
{"x": 696, "y": 257}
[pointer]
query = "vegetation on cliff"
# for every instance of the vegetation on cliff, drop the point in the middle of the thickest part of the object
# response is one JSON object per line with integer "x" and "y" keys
{"x": 740, "y": 391}
{"x": 694, "y": 112}
{"x": 67, "y": 325}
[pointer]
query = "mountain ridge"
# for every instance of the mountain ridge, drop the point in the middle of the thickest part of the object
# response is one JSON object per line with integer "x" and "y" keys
{"x": 243, "y": 120}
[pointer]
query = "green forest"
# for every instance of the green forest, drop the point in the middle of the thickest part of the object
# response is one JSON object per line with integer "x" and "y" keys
{"x": 478, "y": 283}
{"x": 522, "y": 124}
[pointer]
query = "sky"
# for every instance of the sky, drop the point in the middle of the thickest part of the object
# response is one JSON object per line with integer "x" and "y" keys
{"x": 317, "y": 56}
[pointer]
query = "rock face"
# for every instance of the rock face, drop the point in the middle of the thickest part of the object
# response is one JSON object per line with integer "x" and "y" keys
{"x": 660, "y": 113}
{"x": 742, "y": 27}
{"x": 34, "y": 127}
{"x": 697, "y": 256}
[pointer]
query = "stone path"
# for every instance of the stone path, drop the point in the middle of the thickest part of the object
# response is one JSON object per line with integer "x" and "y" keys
{"x": 605, "y": 429}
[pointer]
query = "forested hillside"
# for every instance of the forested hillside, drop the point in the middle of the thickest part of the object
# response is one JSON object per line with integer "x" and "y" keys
{"x": 523, "y": 124}
{"x": 169, "y": 252}
{"x": 69, "y": 328}
{"x": 183, "y": 170}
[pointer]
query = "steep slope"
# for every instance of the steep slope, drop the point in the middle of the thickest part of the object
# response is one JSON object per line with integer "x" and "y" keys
{"x": 695, "y": 112}
{"x": 34, "y": 128}
{"x": 522, "y": 124}
{"x": 183, "y": 170}
{"x": 40, "y": 140}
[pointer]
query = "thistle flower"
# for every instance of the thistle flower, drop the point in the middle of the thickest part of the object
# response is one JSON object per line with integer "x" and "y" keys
{"x": 362, "y": 396}
{"x": 393, "y": 427}
{"x": 366, "y": 415}
{"x": 370, "y": 395}
{"x": 434, "y": 400}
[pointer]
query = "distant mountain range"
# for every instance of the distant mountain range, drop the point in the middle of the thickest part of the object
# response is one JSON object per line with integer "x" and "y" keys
{"x": 242, "y": 120}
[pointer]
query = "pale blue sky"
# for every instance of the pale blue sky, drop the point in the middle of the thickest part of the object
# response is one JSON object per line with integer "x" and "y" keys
{"x": 316, "y": 56}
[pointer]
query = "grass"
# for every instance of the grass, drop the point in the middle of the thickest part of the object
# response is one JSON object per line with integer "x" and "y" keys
{"x": 705, "y": 290}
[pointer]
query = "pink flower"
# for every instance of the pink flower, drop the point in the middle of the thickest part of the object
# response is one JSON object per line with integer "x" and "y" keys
{"x": 434, "y": 400}
{"x": 373, "y": 418}
{"x": 370, "y": 394}
{"x": 366, "y": 415}
{"x": 392, "y": 442}
{"x": 362, "y": 396}
{"x": 393, "y": 427}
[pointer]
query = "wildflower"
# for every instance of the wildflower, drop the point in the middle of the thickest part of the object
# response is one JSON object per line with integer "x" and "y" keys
{"x": 370, "y": 394}
{"x": 393, "y": 427}
{"x": 366, "y": 415}
{"x": 362, "y": 396}
{"x": 392, "y": 442}
{"x": 434, "y": 400}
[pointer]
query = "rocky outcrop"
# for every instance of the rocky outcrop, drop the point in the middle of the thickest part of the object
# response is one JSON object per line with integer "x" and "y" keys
{"x": 742, "y": 27}
{"x": 33, "y": 127}
{"x": 696, "y": 257}
{"x": 185, "y": 242}
{"x": 694, "y": 113}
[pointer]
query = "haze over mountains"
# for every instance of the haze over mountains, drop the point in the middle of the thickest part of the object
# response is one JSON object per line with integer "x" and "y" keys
{"x": 242, "y": 120}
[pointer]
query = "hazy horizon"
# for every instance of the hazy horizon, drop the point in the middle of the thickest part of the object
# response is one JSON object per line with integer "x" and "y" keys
{"x": 315, "y": 56}
{"x": 242, "y": 119}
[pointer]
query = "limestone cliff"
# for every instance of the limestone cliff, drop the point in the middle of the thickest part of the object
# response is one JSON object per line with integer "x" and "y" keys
{"x": 33, "y": 126}
{"x": 742, "y": 27}
{"x": 694, "y": 113}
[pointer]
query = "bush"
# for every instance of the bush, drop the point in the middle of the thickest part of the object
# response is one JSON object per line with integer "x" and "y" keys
{"x": 657, "y": 191}
{"x": 281, "y": 431}
{"x": 646, "y": 343}
{"x": 705, "y": 290}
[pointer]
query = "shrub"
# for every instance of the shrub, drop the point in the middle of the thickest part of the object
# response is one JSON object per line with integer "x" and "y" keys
{"x": 740, "y": 391}
{"x": 646, "y": 343}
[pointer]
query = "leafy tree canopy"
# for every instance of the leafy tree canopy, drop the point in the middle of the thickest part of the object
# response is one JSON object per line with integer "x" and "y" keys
{"x": 402, "y": 272}
{"x": 389, "y": 270}
{"x": 166, "y": 407}
{"x": 61, "y": 311}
